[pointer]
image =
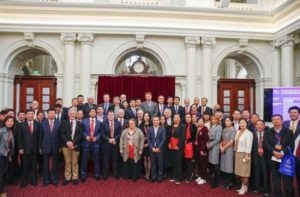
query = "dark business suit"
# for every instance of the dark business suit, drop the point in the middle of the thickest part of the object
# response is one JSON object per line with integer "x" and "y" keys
{"x": 66, "y": 134}
{"x": 156, "y": 141}
{"x": 30, "y": 145}
{"x": 207, "y": 110}
{"x": 107, "y": 107}
{"x": 286, "y": 125}
{"x": 88, "y": 147}
{"x": 160, "y": 110}
{"x": 87, "y": 107}
{"x": 110, "y": 151}
{"x": 180, "y": 110}
{"x": 124, "y": 123}
{"x": 260, "y": 166}
{"x": 49, "y": 145}
{"x": 286, "y": 140}
{"x": 130, "y": 113}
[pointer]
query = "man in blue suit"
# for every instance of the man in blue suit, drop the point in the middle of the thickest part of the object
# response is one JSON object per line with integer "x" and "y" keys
{"x": 131, "y": 112}
{"x": 111, "y": 132}
{"x": 92, "y": 134}
{"x": 50, "y": 144}
{"x": 156, "y": 136}
{"x": 294, "y": 125}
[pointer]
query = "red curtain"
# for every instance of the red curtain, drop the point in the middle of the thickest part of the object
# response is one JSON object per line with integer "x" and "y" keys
{"x": 135, "y": 86}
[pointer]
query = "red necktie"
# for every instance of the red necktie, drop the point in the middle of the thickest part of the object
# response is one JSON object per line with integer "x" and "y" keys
{"x": 92, "y": 130}
{"x": 30, "y": 127}
{"x": 111, "y": 129}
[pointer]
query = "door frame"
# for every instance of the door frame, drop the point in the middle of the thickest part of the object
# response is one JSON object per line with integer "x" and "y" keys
{"x": 250, "y": 83}
{"x": 18, "y": 80}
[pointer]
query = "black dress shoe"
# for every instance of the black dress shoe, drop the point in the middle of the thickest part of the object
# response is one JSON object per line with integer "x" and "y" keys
{"x": 97, "y": 178}
{"x": 104, "y": 178}
{"x": 159, "y": 181}
{"x": 83, "y": 179}
{"x": 55, "y": 183}
{"x": 267, "y": 194}
{"x": 116, "y": 177}
{"x": 45, "y": 184}
{"x": 24, "y": 184}
{"x": 65, "y": 182}
{"x": 228, "y": 186}
{"x": 213, "y": 185}
{"x": 34, "y": 183}
{"x": 255, "y": 191}
{"x": 152, "y": 180}
{"x": 75, "y": 182}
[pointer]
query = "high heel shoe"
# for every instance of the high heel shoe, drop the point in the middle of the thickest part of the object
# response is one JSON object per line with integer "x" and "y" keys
{"x": 240, "y": 189}
{"x": 244, "y": 191}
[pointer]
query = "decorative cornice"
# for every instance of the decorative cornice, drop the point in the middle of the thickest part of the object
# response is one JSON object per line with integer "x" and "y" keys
{"x": 85, "y": 38}
{"x": 285, "y": 41}
{"x": 68, "y": 37}
{"x": 208, "y": 42}
{"x": 191, "y": 41}
{"x": 139, "y": 38}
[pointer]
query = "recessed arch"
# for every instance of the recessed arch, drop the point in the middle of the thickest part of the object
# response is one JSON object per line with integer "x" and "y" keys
{"x": 148, "y": 47}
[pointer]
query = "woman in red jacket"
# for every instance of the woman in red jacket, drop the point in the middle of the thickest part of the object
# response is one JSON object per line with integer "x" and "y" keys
{"x": 200, "y": 142}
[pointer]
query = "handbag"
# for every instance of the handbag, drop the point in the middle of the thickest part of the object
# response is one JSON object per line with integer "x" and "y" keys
{"x": 188, "y": 151}
{"x": 174, "y": 142}
{"x": 287, "y": 166}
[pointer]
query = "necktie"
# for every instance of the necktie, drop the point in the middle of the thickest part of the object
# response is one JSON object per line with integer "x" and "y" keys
{"x": 260, "y": 140}
{"x": 92, "y": 130}
{"x": 176, "y": 108}
{"x": 57, "y": 116}
{"x": 111, "y": 129}
{"x": 203, "y": 110}
{"x": 149, "y": 104}
{"x": 293, "y": 126}
{"x": 30, "y": 127}
{"x": 134, "y": 111}
{"x": 51, "y": 126}
{"x": 71, "y": 126}
{"x": 161, "y": 109}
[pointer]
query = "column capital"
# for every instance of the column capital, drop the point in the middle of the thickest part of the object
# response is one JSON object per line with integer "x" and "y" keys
{"x": 191, "y": 41}
{"x": 85, "y": 38}
{"x": 68, "y": 37}
{"x": 208, "y": 42}
{"x": 285, "y": 41}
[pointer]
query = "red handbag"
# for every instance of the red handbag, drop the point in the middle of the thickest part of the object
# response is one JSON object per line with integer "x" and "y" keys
{"x": 188, "y": 151}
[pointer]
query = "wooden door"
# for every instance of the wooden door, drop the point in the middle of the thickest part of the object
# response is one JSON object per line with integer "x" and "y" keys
{"x": 236, "y": 94}
{"x": 29, "y": 88}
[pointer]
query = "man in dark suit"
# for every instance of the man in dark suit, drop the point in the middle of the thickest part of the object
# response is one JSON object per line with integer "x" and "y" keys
{"x": 121, "y": 118}
{"x": 177, "y": 108}
{"x": 276, "y": 142}
{"x": 161, "y": 105}
{"x": 64, "y": 109}
{"x": 111, "y": 132}
{"x": 204, "y": 108}
{"x": 187, "y": 105}
{"x": 28, "y": 145}
{"x": 131, "y": 112}
{"x": 49, "y": 146}
{"x": 170, "y": 101}
{"x": 87, "y": 106}
{"x": 71, "y": 135}
{"x": 148, "y": 105}
{"x": 91, "y": 143}
{"x": 251, "y": 124}
{"x": 59, "y": 114}
{"x": 294, "y": 125}
{"x": 106, "y": 104}
{"x": 80, "y": 99}
{"x": 156, "y": 136}
{"x": 260, "y": 160}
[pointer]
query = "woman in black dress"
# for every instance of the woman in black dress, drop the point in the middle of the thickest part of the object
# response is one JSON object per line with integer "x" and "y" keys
{"x": 167, "y": 155}
{"x": 176, "y": 146}
{"x": 144, "y": 126}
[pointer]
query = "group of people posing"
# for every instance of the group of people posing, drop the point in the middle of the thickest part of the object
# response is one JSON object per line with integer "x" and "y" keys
{"x": 161, "y": 140}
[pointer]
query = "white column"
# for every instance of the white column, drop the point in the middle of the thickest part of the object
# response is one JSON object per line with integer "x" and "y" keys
{"x": 287, "y": 62}
{"x": 69, "y": 66}
{"x": 275, "y": 65}
{"x": 86, "y": 40}
{"x": 191, "y": 43}
{"x": 230, "y": 69}
{"x": 207, "y": 44}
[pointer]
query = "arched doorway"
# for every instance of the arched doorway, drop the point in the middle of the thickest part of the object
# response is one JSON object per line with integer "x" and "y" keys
{"x": 236, "y": 86}
{"x": 34, "y": 70}
{"x": 137, "y": 72}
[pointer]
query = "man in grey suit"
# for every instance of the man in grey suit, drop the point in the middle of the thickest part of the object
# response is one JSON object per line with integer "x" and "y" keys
{"x": 149, "y": 106}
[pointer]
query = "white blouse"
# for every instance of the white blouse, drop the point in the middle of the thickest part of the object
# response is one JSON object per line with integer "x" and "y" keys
{"x": 245, "y": 142}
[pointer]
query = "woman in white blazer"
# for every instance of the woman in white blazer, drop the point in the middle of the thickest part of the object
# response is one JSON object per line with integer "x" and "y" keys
{"x": 243, "y": 147}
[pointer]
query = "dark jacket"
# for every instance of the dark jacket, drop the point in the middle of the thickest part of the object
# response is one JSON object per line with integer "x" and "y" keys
{"x": 66, "y": 134}
{"x": 27, "y": 141}
{"x": 50, "y": 141}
